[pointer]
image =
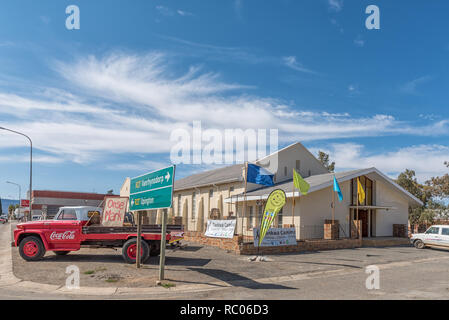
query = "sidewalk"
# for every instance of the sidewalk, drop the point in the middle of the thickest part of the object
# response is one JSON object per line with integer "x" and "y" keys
{"x": 8, "y": 279}
{"x": 195, "y": 269}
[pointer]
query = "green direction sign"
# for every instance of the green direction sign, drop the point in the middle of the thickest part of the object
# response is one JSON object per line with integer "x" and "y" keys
{"x": 153, "y": 190}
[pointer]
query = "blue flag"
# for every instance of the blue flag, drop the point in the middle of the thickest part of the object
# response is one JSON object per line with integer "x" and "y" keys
{"x": 337, "y": 189}
{"x": 259, "y": 175}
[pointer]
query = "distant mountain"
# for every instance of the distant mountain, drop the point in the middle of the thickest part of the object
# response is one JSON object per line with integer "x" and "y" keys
{"x": 6, "y": 203}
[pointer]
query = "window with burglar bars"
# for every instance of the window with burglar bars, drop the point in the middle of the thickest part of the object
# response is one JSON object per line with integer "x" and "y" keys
{"x": 193, "y": 205}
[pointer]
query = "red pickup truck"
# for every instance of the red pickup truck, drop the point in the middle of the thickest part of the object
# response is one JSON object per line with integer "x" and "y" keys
{"x": 77, "y": 227}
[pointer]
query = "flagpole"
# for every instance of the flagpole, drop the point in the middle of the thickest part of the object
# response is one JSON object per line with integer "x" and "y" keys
{"x": 293, "y": 205}
{"x": 244, "y": 194}
{"x": 333, "y": 205}
{"x": 357, "y": 221}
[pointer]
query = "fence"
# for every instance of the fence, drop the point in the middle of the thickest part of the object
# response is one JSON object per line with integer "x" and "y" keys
{"x": 304, "y": 232}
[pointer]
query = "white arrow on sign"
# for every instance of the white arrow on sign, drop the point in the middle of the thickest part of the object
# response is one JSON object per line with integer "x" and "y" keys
{"x": 167, "y": 176}
{"x": 132, "y": 202}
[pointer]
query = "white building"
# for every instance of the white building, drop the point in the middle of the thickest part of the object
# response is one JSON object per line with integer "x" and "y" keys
{"x": 197, "y": 196}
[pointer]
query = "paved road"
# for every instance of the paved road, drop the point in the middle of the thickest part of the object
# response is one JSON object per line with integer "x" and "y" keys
{"x": 405, "y": 273}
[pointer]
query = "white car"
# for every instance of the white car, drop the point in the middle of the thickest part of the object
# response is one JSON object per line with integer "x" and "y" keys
{"x": 435, "y": 236}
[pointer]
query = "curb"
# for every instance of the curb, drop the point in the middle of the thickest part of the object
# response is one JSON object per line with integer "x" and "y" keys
{"x": 8, "y": 279}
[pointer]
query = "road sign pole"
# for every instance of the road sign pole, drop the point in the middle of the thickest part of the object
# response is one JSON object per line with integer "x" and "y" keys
{"x": 163, "y": 244}
{"x": 139, "y": 238}
{"x": 164, "y": 233}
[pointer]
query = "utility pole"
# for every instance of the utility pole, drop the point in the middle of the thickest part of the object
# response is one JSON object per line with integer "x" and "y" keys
{"x": 31, "y": 164}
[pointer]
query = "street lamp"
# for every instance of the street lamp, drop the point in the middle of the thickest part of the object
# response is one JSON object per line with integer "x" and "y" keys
{"x": 20, "y": 192}
{"x": 31, "y": 162}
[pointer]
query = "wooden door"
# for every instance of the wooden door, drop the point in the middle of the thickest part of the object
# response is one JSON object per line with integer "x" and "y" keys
{"x": 363, "y": 216}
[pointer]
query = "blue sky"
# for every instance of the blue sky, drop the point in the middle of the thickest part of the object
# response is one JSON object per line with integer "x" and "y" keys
{"x": 100, "y": 102}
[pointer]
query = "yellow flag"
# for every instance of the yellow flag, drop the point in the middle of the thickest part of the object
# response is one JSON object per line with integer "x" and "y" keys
{"x": 360, "y": 192}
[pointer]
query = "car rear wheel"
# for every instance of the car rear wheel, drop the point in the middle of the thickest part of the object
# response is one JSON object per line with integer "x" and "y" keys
{"x": 419, "y": 244}
{"x": 129, "y": 251}
{"x": 61, "y": 253}
{"x": 31, "y": 249}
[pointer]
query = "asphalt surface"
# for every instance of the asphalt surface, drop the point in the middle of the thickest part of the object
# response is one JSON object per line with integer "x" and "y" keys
{"x": 404, "y": 273}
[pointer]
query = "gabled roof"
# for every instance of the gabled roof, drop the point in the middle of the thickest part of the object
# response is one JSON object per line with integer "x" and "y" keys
{"x": 217, "y": 176}
{"x": 227, "y": 174}
{"x": 321, "y": 181}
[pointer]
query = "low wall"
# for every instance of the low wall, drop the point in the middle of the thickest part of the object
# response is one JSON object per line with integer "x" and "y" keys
{"x": 236, "y": 246}
{"x": 226, "y": 244}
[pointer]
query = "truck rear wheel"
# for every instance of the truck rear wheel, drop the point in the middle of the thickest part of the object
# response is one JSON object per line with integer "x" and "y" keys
{"x": 129, "y": 251}
{"x": 31, "y": 249}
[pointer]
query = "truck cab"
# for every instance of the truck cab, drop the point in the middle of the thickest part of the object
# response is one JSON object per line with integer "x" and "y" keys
{"x": 82, "y": 214}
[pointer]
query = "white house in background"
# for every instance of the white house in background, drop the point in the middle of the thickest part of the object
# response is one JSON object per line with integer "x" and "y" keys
{"x": 222, "y": 189}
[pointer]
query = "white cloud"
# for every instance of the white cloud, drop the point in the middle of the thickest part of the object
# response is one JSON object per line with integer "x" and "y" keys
{"x": 426, "y": 160}
{"x": 335, "y": 5}
{"x": 411, "y": 86}
{"x": 129, "y": 104}
{"x": 184, "y": 13}
{"x": 359, "y": 41}
{"x": 164, "y": 11}
{"x": 292, "y": 63}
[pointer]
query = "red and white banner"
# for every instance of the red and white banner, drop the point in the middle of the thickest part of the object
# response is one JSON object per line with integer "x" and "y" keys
{"x": 24, "y": 203}
{"x": 114, "y": 211}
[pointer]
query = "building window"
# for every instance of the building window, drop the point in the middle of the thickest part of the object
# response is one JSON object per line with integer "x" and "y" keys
{"x": 310, "y": 173}
{"x": 231, "y": 189}
{"x": 179, "y": 205}
{"x": 285, "y": 171}
{"x": 211, "y": 193}
{"x": 367, "y": 185}
{"x": 251, "y": 217}
{"x": 193, "y": 205}
{"x": 298, "y": 165}
{"x": 279, "y": 218}
{"x": 260, "y": 212}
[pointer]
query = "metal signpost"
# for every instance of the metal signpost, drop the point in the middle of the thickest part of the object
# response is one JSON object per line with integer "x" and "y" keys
{"x": 152, "y": 191}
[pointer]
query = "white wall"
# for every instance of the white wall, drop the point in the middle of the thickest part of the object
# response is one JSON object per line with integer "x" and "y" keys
{"x": 315, "y": 207}
{"x": 287, "y": 158}
{"x": 388, "y": 196}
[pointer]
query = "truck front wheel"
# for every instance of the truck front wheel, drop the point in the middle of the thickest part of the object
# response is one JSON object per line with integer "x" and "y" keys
{"x": 129, "y": 251}
{"x": 31, "y": 249}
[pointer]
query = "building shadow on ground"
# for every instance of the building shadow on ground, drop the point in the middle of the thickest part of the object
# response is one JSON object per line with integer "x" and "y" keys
{"x": 237, "y": 280}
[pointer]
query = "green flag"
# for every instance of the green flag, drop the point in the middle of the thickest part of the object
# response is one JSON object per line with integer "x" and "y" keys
{"x": 300, "y": 183}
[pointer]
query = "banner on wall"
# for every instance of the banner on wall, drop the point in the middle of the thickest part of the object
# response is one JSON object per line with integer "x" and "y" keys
{"x": 276, "y": 237}
{"x": 220, "y": 229}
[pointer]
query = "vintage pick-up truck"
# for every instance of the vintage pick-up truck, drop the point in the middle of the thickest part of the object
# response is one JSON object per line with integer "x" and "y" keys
{"x": 77, "y": 227}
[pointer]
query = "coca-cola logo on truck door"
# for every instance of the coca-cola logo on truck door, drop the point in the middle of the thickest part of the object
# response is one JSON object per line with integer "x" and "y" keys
{"x": 66, "y": 235}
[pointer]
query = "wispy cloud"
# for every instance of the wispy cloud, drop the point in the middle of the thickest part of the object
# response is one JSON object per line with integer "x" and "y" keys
{"x": 238, "y": 5}
{"x": 292, "y": 63}
{"x": 359, "y": 41}
{"x": 411, "y": 86}
{"x": 335, "y": 5}
{"x": 239, "y": 55}
{"x": 164, "y": 10}
{"x": 130, "y": 103}
{"x": 184, "y": 13}
{"x": 426, "y": 160}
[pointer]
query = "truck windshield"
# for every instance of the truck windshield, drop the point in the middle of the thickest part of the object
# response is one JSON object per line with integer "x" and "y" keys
{"x": 433, "y": 230}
